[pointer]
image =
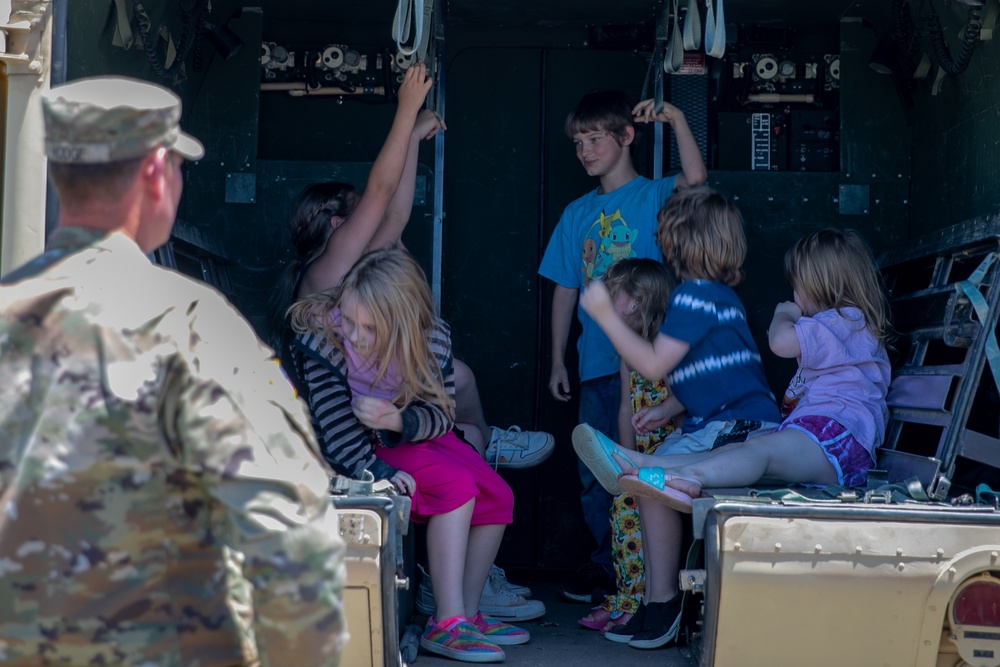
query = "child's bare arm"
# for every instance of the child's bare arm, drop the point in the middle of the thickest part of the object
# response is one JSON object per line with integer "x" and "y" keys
{"x": 563, "y": 302}
{"x": 651, "y": 360}
{"x": 398, "y": 213}
{"x": 348, "y": 242}
{"x": 651, "y": 418}
{"x": 693, "y": 170}
{"x": 626, "y": 433}
{"x": 781, "y": 334}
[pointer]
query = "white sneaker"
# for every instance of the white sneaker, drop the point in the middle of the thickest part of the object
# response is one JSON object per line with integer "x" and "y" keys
{"x": 499, "y": 578}
{"x": 514, "y": 448}
{"x": 506, "y": 606}
{"x": 497, "y": 600}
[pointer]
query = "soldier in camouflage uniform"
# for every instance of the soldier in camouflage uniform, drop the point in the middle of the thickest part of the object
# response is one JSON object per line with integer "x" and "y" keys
{"x": 162, "y": 497}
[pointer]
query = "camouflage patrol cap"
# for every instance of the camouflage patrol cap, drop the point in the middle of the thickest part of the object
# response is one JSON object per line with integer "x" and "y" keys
{"x": 106, "y": 119}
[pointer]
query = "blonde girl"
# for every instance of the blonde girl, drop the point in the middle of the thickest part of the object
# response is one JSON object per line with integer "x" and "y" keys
{"x": 640, "y": 289}
{"x": 834, "y": 409}
{"x": 376, "y": 362}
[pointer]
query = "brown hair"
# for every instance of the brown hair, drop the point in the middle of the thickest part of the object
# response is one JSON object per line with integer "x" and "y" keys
{"x": 700, "y": 233}
{"x": 833, "y": 269}
{"x": 647, "y": 281}
{"x": 85, "y": 182}
{"x": 607, "y": 110}
{"x": 309, "y": 229}
{"x": 393, "y": 288}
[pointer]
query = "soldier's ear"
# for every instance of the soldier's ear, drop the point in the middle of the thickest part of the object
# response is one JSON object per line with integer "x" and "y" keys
{"x": 154, "y": 171}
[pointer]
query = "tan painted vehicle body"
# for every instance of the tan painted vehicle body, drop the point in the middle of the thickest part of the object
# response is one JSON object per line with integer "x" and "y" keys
{"x": 863, "y": 581}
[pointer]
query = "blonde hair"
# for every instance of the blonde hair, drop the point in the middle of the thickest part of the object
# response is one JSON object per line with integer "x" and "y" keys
{"x": 393, "y": 288}
{"x": 647, "y": 281}
{"x": 834, "y": 269}
{"x": 700, "y": 233}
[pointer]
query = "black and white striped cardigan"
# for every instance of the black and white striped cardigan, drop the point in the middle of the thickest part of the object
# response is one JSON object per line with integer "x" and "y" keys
{"x": 347, "y": 444}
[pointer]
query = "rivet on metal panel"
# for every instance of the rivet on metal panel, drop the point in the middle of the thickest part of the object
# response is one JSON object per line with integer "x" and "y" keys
{"x": 901, "y": 567}
{"x": 777, "y": 546}
{"x": 818, "y": 548}
{"x": 858, "y": 549}
{"x": 737, "y": 546}
{"x": 994, "y": 556}
{"x": 940, "y": 552}
{"x": 899, "y": 551}
{"x": 952, "y": 571}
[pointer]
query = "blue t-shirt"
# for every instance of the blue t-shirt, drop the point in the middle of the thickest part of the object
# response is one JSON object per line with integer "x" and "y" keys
{"x": 594, "y": 232}
{"x": 721, "y": 376}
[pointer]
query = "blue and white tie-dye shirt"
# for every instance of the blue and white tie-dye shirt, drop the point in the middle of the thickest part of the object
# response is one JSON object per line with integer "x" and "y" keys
{"x": 721, "y": 376}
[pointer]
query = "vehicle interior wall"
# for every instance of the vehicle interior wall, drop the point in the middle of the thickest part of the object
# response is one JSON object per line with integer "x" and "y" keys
{"x": 512, "y": 72}
{"x": 956, "y": 164}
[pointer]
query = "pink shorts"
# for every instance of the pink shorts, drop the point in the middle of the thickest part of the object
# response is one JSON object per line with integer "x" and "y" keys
{"x": 449, "y": 472}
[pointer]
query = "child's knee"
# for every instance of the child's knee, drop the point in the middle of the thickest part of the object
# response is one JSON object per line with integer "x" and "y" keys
{"x": 464, "y": 378}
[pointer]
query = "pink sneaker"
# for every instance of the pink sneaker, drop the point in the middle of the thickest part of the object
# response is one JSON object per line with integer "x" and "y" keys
{"x": 498, "y": 632}
{"x": 462, "y": 641}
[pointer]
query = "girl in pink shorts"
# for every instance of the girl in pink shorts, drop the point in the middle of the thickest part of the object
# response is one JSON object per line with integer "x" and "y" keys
{"x": 378, "y": 374}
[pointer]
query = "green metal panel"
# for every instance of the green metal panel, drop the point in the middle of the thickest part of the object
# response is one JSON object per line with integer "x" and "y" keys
{"x": 510, "y": 171}
{"x": 956, "y": 162}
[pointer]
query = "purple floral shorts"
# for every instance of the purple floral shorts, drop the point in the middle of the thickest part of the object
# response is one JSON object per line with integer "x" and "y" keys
{"x": 849, "y": 457}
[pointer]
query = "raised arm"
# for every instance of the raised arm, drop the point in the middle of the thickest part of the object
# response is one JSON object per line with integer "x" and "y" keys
{"x": 693, "y": 170}
{"x": 652, "y": 360}
{"x": 781, "y": 336}
{"x": 349, "y": 241}
{"x": 398, "y": 213}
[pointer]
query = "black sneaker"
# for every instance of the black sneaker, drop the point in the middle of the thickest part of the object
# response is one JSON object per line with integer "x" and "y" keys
{"x": 662, "y": 622}
{"x": 623, "y": 634}
{"x": 590, "y": 584}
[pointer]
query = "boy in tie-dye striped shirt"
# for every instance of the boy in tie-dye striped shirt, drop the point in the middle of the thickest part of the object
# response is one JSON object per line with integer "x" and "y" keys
{"x": 705, "y": 350}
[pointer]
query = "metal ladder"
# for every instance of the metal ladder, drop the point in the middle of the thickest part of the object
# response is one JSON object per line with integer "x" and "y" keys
{"x": 943, "y": 400}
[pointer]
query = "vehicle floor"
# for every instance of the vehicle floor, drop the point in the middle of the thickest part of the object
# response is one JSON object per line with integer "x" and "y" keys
{"x": 557, "y": 640}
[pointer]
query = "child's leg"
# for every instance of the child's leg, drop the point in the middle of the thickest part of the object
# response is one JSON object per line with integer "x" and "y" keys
{"x": 470, "y": 433}
{"x": 484, "y": 542}
{"x": 447, "y": 542}
{"x": 788, "y": 456}
{"x": 662, "y": 534}
{"x": 468, "y": 407}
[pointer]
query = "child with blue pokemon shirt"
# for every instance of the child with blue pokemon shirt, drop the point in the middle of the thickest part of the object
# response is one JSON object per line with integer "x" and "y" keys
{"x": 613, "y": 222}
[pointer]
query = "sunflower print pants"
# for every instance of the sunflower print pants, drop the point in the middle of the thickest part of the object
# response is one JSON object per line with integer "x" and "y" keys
{"x": 626, "y": 537}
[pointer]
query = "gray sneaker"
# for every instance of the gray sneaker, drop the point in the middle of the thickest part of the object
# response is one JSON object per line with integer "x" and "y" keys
{"x": 499, "y": 578}
{"x": 497, "y": 600}
{"x": 502, "y": 604}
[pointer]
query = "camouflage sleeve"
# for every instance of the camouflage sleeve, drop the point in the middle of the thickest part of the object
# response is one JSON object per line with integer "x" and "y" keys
{"x": 237, "y": 426}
